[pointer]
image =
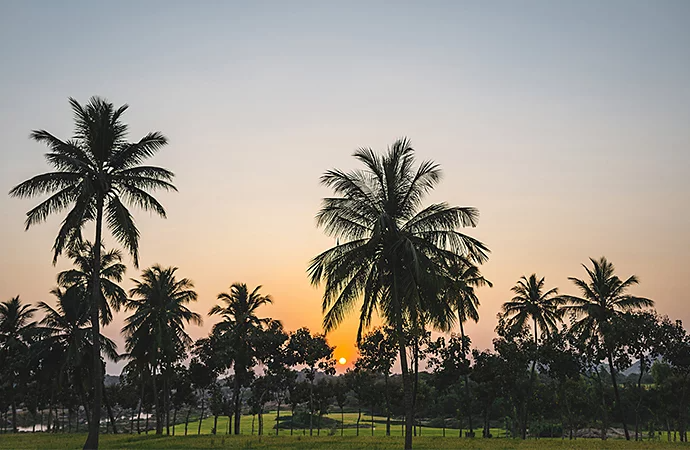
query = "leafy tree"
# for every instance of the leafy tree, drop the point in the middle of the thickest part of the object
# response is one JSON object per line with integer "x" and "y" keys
{"x": 394, "y": 252}
{"x": 240, "y": 328}
{"x": 604, "y": 298}
{"x": 97, "y": 173}
{"x": 315, "y": 353}
{"x": 377, "y": 354}
{"x": 155, "y": 330}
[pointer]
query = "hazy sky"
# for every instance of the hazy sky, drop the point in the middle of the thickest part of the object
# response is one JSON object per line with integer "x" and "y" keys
{"x": 566, "y": 123}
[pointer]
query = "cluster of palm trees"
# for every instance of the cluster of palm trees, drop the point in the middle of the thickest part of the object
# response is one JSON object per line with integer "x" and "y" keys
{"x": 408, "y": 263}
{"x": 412, "y": 266}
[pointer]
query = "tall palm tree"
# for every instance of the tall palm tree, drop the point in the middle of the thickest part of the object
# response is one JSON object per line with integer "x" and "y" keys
{"x": 97, "y": 173}
{"x": 240, "y": 325}
{"x": 604, "y": 299}
{"x": 531, "y": 302}
{"x": 81, "y": 276}
{"x": 16, "y": 333}
{"x": 461, "y": 280}
{"x": 155, "y": 331}
{"x": 390, "y": 250}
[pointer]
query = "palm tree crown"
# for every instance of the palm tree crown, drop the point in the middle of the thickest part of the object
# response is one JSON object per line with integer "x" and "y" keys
{"x": 95, "y": 171}
{"x": 462, "y": 279}
{"x": 239, "y": 312}
{"x": 604, "y": 296}
{"x": 157, "y": 325}
{"x": 393, "y": 249}
{"x": 531, "y": 302}
{"x": 16, "y": 327}
{"x": 80, "y": 277}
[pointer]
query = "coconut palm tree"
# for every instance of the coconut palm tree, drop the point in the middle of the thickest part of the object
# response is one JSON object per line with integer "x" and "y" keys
{"x": 16, "y": 334}
{"x": 604, "y": 299}
{"x": 81, "y": 276}
{"x": 531, "y": 302}
{"x": 155, "y": 331}
{"x": 390, "y": 251}
{"x": 97, "y": 173}
{"x": 239, "y": 326}
{"x": 461, "y": 280}
{"x": 66, "y": 331}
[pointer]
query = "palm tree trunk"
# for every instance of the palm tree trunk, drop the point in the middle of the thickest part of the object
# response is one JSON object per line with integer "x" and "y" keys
{"x": 407, "y": 385}
{"x": 141, "y": 403}
{"x": 97, "y": 381}
{"x": 467, "y": 385}
{"x": 618, "y": 398}
{"x": 159, "y": 422}
{"x": 236, "y": 397}
{"x": 407, "y": 388}
{"x": 110, "y": 412}
{"x": 311, "y": 406}
{"x": 388, "y": 406}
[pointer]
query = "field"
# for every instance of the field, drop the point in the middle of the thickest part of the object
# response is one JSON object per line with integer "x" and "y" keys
{"x": 431, "y": 438}
{"x": 75, "y": 441}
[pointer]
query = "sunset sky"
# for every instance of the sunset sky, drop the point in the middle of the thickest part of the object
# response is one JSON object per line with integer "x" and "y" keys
{"x": 566, "y": 123}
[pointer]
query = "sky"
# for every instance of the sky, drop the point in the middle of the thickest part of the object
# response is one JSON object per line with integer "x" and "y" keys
{"x": 567, "y": 124}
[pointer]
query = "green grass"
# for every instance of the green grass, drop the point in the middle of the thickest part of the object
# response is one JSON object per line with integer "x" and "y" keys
{"x": 350, "y": 420}
{"x": 75, "y": 441}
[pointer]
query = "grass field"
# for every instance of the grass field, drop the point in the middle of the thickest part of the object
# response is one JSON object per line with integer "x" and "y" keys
{"x": 350, "y": 420}
{"x": 75, "y": 441}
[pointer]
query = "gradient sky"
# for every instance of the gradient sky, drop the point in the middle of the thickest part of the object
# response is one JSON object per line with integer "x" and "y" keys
{"x": 566, "y": 123}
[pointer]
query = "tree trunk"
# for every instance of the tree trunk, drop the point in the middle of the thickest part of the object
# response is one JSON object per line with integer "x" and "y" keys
{"x": 388, "y": 406}
{"x": 618, "y": 398}
{"x": 186, "y": 420}
{"x": 407, "y": 385}
{"x": 236, "y": 397}
{"x": 311, "y": 406}
{"x": 141, "y": 403}
{"x": 156, "y": 403}
{"x": 278, "y": 416}
{"x": 201, "y": 417}
{"x": 174, "y": 421}
{"x": 292, "y": 417}
{"x": 110, "y": 412}
{"x": 97, "y": 381}
{"x": 14, "y": 414}
{"x": 467, "y": 385}
{"x": 359, "y": 417}
{"x": 372, "y": 419}
{"x": 215, "y": 423}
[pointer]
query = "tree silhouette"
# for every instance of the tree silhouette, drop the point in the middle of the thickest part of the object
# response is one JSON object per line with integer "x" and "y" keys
{"x": 96, "y": 173}
{"x": 390, "y": 251}
{"x": 604, "y": 298}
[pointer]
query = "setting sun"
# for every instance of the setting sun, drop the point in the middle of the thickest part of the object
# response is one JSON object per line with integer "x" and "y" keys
{"x": 342, "y": 361}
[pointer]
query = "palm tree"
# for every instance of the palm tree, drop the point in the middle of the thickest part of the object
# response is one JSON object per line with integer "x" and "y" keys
{"x": 604, "y": 299}
{"x": 390, "y": 251}
{"x": 462, "y": 278}
{"x": 81, "y": 277}
{"x": 155, "y": 331}
{"x": 68, "y": 338}
{"x": 16, "y": 333}
{"x": 531, "y": 302}
{"x": 239, "y": 325}
{"x": 97, "y": 173}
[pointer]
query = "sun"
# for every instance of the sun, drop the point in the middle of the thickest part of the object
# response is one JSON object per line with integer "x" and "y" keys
{"x": 342, "y": 361}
